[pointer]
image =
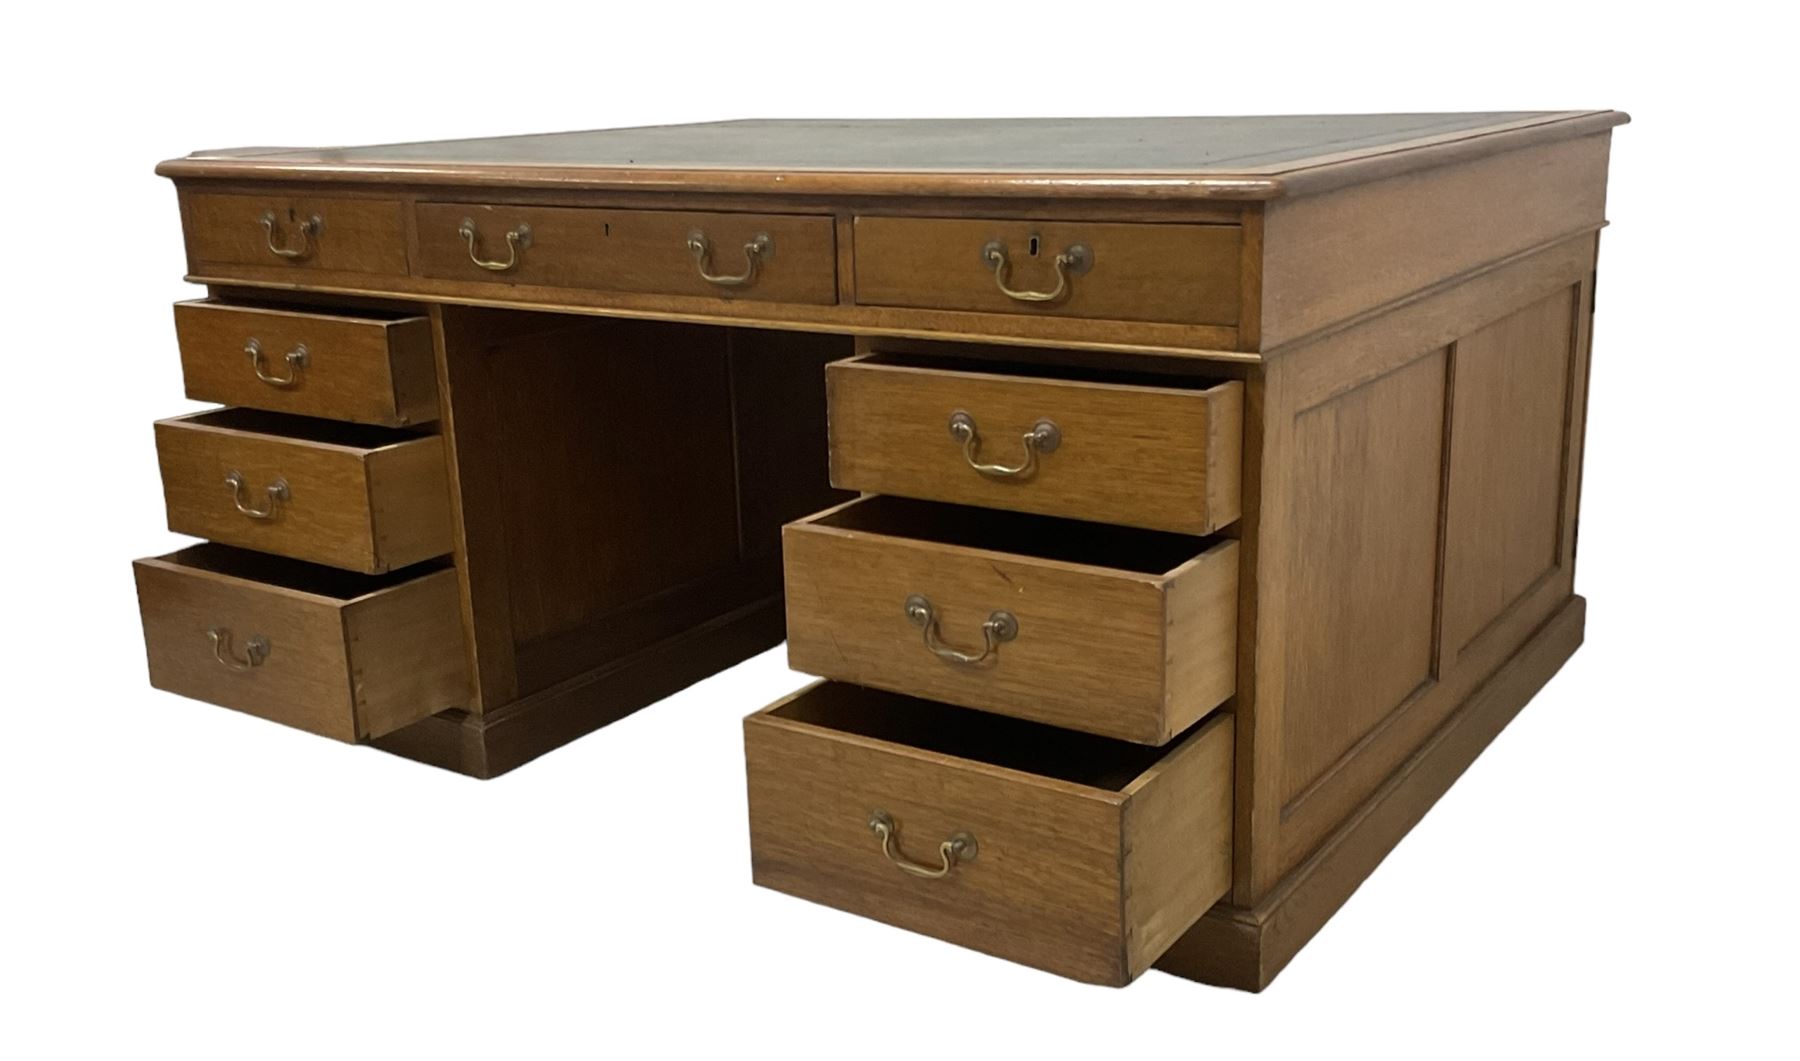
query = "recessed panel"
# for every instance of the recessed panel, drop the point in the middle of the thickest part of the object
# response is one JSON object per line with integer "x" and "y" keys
{"x": 1507, "y": 451}
{"x": 1367, "y": 476}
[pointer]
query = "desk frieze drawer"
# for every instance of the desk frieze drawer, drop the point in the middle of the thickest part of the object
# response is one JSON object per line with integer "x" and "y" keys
{"x": 1125, "y": 633}
{"x": 1161, "y": 273}
{"x": 1077, "y": 855}
{"x": 250, "y": 235}
{"x": 347, "y": 656}
{"x": 367, "y": 368}
{"x": 1104, "y": 446}
{"x": 360, "y": 498}
{"x": 772, "y": 257}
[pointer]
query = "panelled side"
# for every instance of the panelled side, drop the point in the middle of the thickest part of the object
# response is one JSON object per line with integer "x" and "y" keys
{"x": 1422, "y": 519}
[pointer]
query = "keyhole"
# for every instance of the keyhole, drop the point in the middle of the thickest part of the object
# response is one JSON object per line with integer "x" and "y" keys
{"x": 1031, "y": 247}
{"x": 606, "y": 229}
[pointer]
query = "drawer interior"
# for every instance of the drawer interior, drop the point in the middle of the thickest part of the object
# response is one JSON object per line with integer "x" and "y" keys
{"x": 315, "y": 580}
{"x": 1043, "y": 537}
{"x": 1039, "y": 370}
{"x": 1011, "y": 743}
{"x": 302, "y": 428}
{"x": 344, "y": 655}
{"x": 301, "y": 308}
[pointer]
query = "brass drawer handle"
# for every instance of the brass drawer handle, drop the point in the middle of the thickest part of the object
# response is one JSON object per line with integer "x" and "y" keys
{"x": 309, "y": 234}
{"x": 255, "y": 650}
{"x": 760, "y": 249}
{"x": 961, "y": 847}
{"x": 277, "y": 491}
{"x": 295, "y": 358}
{"x": 517, "y": 239}
{"x": 1074, "y": 261}
{"x": 999, "y": 628}
{"x": 1043, "y": 437}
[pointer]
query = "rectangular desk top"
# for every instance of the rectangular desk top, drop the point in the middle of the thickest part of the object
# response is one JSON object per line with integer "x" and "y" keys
{"x": 1196, "y": 157}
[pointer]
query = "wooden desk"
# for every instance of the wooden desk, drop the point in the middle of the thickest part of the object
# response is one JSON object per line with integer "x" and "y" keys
{"x": 1220, "y": 484}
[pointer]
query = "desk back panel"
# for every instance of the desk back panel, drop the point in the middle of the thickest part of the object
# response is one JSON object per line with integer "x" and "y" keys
{"x": 606, "y": 448}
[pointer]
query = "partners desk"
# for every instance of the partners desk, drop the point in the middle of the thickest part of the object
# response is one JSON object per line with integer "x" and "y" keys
{"x": 1174, "y": 507}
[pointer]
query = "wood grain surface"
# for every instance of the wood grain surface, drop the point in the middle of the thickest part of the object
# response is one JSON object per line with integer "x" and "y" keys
{"x": 365, "y": 368}
{"x": 1182, "y": 274}
{"x": 1346, "y": 355}
{"x": 1507, "y": 465}
{"x": 1328, "y": 258}
{"x": 1247, "y": 947}
{"x": 641, "y": 251}
{"x": 1088, "y": 871}
{"x": 348, "y": 656}
{"x": 1161, "y": 453}
{"x": 361, "y": 498}
{"x": 359, "y": 235}
{"x": 1103, "y": 614}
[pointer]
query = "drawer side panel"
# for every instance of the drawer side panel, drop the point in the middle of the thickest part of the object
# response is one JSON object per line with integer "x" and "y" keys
{"x": 406, "y": 653}
{"x": 1178, "y": 836}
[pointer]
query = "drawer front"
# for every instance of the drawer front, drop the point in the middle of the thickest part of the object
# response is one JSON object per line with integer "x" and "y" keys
{"x": 1145, "y": 456}
{"x": 365, "y": 370}
{"x": 343, "y": 656}
{"x": 300, "y": 232}
{"x": 361, "y": 499}
{"x": 1172, "y": 274}
{"x": 1089, "y": 880}
{"x": 1127, "y": 654}
{"x": 772, "y": 257}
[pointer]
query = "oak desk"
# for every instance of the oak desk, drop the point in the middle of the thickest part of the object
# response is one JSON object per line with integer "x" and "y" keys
{"x": 1218, "y": 484}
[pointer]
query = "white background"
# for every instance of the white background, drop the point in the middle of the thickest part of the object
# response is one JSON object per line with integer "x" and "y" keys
{"x": 179, "y": 880}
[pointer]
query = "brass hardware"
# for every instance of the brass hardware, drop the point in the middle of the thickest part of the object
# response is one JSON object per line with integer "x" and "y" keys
{"x": 961, "y": 847}
{"x": 1043, "y": 437}
{"x": 295, "y": 358}
{"x": 517, "y": 239}
{"x": 1000, "y": 627}
{"x": 255, "y": 650}
{"x": 309, "y": 234}
{"x": 760, "y": 249}
{"x": 1074, "y": 261}
{"x": 277, "y": 490}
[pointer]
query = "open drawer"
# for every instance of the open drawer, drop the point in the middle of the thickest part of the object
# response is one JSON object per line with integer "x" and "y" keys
{"x": 361, "y": 498}
{"x": 364, "y": 366}
{"x": 1109, "y": 630}
{"x": 342, "y": 655}
{"x": 1079, "y": 855}
{"x": 1161, "y": 452}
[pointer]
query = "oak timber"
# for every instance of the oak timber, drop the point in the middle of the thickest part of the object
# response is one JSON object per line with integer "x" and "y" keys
{"x": 1321, "y": 383}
